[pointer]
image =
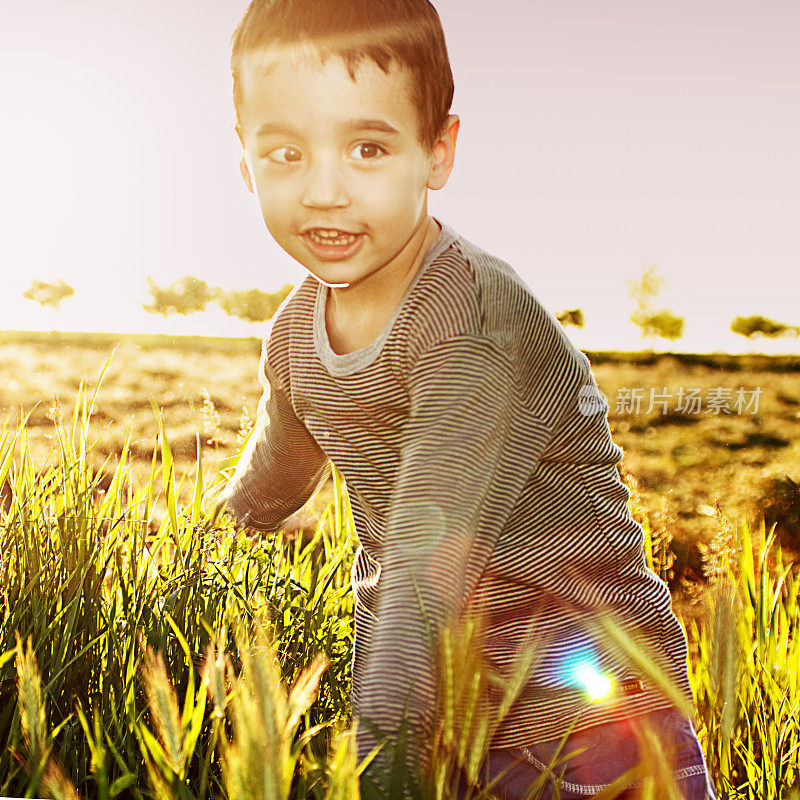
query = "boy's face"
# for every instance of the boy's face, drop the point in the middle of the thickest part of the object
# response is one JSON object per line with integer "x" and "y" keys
{"x": 340, "y": 173}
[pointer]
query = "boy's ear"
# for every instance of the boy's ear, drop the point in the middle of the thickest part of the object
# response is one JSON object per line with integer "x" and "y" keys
{"x": 243, "y": 168}
{"x": 444, "y": 153}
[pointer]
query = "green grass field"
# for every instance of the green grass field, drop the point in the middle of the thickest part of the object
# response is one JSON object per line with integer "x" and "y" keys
{"x": 162, "y": 642}
{"x": 684, "y": 463}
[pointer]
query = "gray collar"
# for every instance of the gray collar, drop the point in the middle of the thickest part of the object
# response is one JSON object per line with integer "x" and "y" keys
{"x": 348, "y": 363}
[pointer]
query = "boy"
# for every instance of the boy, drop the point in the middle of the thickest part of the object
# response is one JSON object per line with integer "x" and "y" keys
{"x": 450, "y": 400}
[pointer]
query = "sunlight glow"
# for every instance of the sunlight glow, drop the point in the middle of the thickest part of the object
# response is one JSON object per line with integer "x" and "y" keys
{"x": 597, "y": 685}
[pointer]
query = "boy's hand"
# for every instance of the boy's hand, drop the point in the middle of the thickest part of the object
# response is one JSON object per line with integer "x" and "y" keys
{"x": 216, "y": 499}
{"x": 303, "y": 520}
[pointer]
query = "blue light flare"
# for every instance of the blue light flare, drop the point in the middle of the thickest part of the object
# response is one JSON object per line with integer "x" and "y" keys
{"x": 596, "y": 685}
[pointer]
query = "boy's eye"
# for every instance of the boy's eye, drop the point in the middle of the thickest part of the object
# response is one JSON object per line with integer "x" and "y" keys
{"x": 285, "y": 155}
{"x": 367, "y": 150}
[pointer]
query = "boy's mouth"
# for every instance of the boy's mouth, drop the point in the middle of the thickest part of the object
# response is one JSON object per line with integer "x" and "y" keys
{"x": 332, "y": 244}
{"x": 330, "y": 236}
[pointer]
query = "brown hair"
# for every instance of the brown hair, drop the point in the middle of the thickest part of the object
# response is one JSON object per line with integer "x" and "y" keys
{"x": 407, "y": 32}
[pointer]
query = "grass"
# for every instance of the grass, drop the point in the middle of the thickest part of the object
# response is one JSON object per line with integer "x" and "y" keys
{"x": 94, "y": 584}
{"x": 747, "y": 672}
{"x": 146, "y": 655}
{"x": 690, "y": 461}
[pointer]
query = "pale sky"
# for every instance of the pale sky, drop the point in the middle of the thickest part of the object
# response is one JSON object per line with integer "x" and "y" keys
{"x": 595, "y": 136}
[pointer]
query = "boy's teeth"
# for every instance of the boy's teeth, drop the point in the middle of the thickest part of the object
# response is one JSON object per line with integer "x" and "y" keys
{"x": 331, "y": 236}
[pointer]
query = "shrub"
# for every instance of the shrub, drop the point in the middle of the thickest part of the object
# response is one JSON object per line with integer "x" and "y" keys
{"x": 651, "y": 321}
{"x": 253, "y": 305}
{"x": 762, "y": 326}
{"x": 573, "y": 316}
{"x": 187, "y": 295}
{"x": 49, "y": 294}
{"x": 780, "y": 504}
{"x": 662, "y": 323}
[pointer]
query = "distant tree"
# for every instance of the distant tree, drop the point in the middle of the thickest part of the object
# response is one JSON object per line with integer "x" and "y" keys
{"x": 253, "y": 305}
{"x": 49, "y": 294}
{"x": 662, "y": 323}
{"x": 187, "y": 295}
{"x": 758, "y": 325}
{"x": 573, "y": 316}
{"x": 652, "y": 321}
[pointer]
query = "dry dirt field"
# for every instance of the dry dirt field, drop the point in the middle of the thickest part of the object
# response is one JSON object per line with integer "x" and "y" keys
{"x": 696, "y": 430}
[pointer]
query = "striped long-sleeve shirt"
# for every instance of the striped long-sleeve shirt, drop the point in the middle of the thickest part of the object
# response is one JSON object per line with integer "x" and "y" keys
{"x": 478, "y": 469}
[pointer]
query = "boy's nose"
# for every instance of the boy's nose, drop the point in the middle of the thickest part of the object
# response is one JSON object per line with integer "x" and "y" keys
{"x": 324, "y": 187}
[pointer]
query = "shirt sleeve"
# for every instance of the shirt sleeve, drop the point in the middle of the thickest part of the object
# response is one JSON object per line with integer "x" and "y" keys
{"x": 469, "y": 446}
{"x": 280, "y": 467}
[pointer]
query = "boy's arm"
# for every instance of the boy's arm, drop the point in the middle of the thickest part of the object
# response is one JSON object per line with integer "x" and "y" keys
{"x": 280, "y": 467}
{"x": 470, "y": 445}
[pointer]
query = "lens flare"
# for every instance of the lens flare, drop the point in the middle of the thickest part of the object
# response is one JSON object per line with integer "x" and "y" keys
{"x": 596, "y": 685}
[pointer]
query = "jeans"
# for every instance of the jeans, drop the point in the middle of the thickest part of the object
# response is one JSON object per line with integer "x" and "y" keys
{"x": 607, "y": 751}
